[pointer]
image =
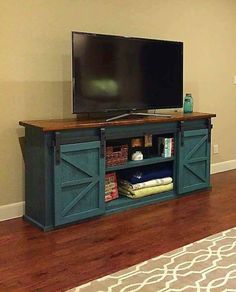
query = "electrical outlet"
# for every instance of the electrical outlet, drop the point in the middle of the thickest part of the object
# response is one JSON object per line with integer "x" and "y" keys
{"x": 234, "y": 80}
{"x": 216, "y": 149}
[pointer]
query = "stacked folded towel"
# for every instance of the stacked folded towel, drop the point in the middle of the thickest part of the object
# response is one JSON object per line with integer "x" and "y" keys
{"x": 135, "y": 194}
{"x": 150, "y": 187}
{"x": 148, "y": 181}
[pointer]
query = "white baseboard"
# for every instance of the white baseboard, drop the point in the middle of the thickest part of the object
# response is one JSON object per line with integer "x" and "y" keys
{"x": 17, "y": 210}
{"x": 12, "y": 211}
{"x": 223, "y": 166}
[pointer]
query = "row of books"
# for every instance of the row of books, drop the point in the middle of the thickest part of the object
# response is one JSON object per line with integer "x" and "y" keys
{"x": 165, "y": 147}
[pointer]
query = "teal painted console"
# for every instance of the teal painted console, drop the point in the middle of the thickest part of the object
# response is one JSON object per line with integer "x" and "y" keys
{"x": 65, "y": 164}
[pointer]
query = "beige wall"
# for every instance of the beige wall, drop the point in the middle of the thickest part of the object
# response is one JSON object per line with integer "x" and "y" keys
{"x": 35, "y": 37}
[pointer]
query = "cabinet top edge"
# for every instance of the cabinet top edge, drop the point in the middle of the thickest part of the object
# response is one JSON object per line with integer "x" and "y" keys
{"x": 69, "y": 124}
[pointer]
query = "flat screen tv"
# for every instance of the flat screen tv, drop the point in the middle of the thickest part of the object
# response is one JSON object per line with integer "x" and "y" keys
{"x": 113, "y": 73}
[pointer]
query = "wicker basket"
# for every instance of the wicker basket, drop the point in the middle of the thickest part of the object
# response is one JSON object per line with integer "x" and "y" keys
{"x": 111, "y": 189}
{"x": 116, "y": 155}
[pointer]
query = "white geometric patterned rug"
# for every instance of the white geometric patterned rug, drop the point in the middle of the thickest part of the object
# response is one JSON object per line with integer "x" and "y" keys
{"x": 208, "y": 265}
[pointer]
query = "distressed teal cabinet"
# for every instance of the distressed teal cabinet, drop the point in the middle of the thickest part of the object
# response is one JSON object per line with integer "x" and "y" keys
{"x": 65, "y": 165}
{"x": 79, "y": 182}
{"x": 194, "y": 161}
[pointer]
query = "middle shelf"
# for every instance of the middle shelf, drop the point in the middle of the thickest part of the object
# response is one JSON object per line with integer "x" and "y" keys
{"x": 146, "y": 161}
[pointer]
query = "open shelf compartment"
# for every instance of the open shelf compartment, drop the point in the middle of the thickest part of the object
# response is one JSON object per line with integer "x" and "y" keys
{"x": 153, "y": 158}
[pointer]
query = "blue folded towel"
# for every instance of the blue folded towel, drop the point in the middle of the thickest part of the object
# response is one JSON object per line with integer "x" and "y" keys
{"x": 146, "y": 173}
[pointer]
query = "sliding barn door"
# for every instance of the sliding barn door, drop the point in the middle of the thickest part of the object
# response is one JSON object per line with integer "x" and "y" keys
{"x": 79, "y": 182}
{"x": 194, "y": 161}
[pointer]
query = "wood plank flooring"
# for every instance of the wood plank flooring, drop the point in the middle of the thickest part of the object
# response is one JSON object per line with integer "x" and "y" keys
{"x": 31, "y": 260}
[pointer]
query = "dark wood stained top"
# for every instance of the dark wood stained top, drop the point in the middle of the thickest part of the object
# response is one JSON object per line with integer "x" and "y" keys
{"x": 69, "y": 124}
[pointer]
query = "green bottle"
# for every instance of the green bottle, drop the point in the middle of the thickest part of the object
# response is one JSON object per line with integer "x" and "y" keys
{"x": 188, "y": 103}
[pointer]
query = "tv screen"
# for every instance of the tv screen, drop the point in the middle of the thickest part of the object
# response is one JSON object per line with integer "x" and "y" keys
{"x": 119, "y": 73}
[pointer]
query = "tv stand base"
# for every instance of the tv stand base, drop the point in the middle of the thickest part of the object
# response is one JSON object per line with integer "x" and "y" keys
{"x": 68, "y": 157}
{"x": 137, "y": 114}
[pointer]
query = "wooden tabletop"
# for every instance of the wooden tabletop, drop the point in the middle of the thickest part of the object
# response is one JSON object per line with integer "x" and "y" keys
{"x": 67, "y": 124}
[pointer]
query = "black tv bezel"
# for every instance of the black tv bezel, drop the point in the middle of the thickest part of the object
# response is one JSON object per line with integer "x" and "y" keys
{"x": 123, "y": 109}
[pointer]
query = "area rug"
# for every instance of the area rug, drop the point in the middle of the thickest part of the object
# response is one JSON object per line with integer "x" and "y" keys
{"x": 202, "y": 266}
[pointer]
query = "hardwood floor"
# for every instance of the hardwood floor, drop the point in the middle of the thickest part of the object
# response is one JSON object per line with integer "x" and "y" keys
{"x": 31, "y": 260}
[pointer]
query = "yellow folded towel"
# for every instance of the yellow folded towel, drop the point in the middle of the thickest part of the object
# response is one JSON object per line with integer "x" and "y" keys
{"x": 135, "y": 194}
{"x": 150, "y": 183}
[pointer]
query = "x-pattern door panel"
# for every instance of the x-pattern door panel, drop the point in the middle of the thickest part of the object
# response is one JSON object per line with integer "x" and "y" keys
{"x": 194, "y": 161}
{"x": 79, "y": 183}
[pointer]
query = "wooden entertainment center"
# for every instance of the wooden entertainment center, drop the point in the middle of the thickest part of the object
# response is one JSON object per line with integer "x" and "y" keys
{"x": 65, "y": 164}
